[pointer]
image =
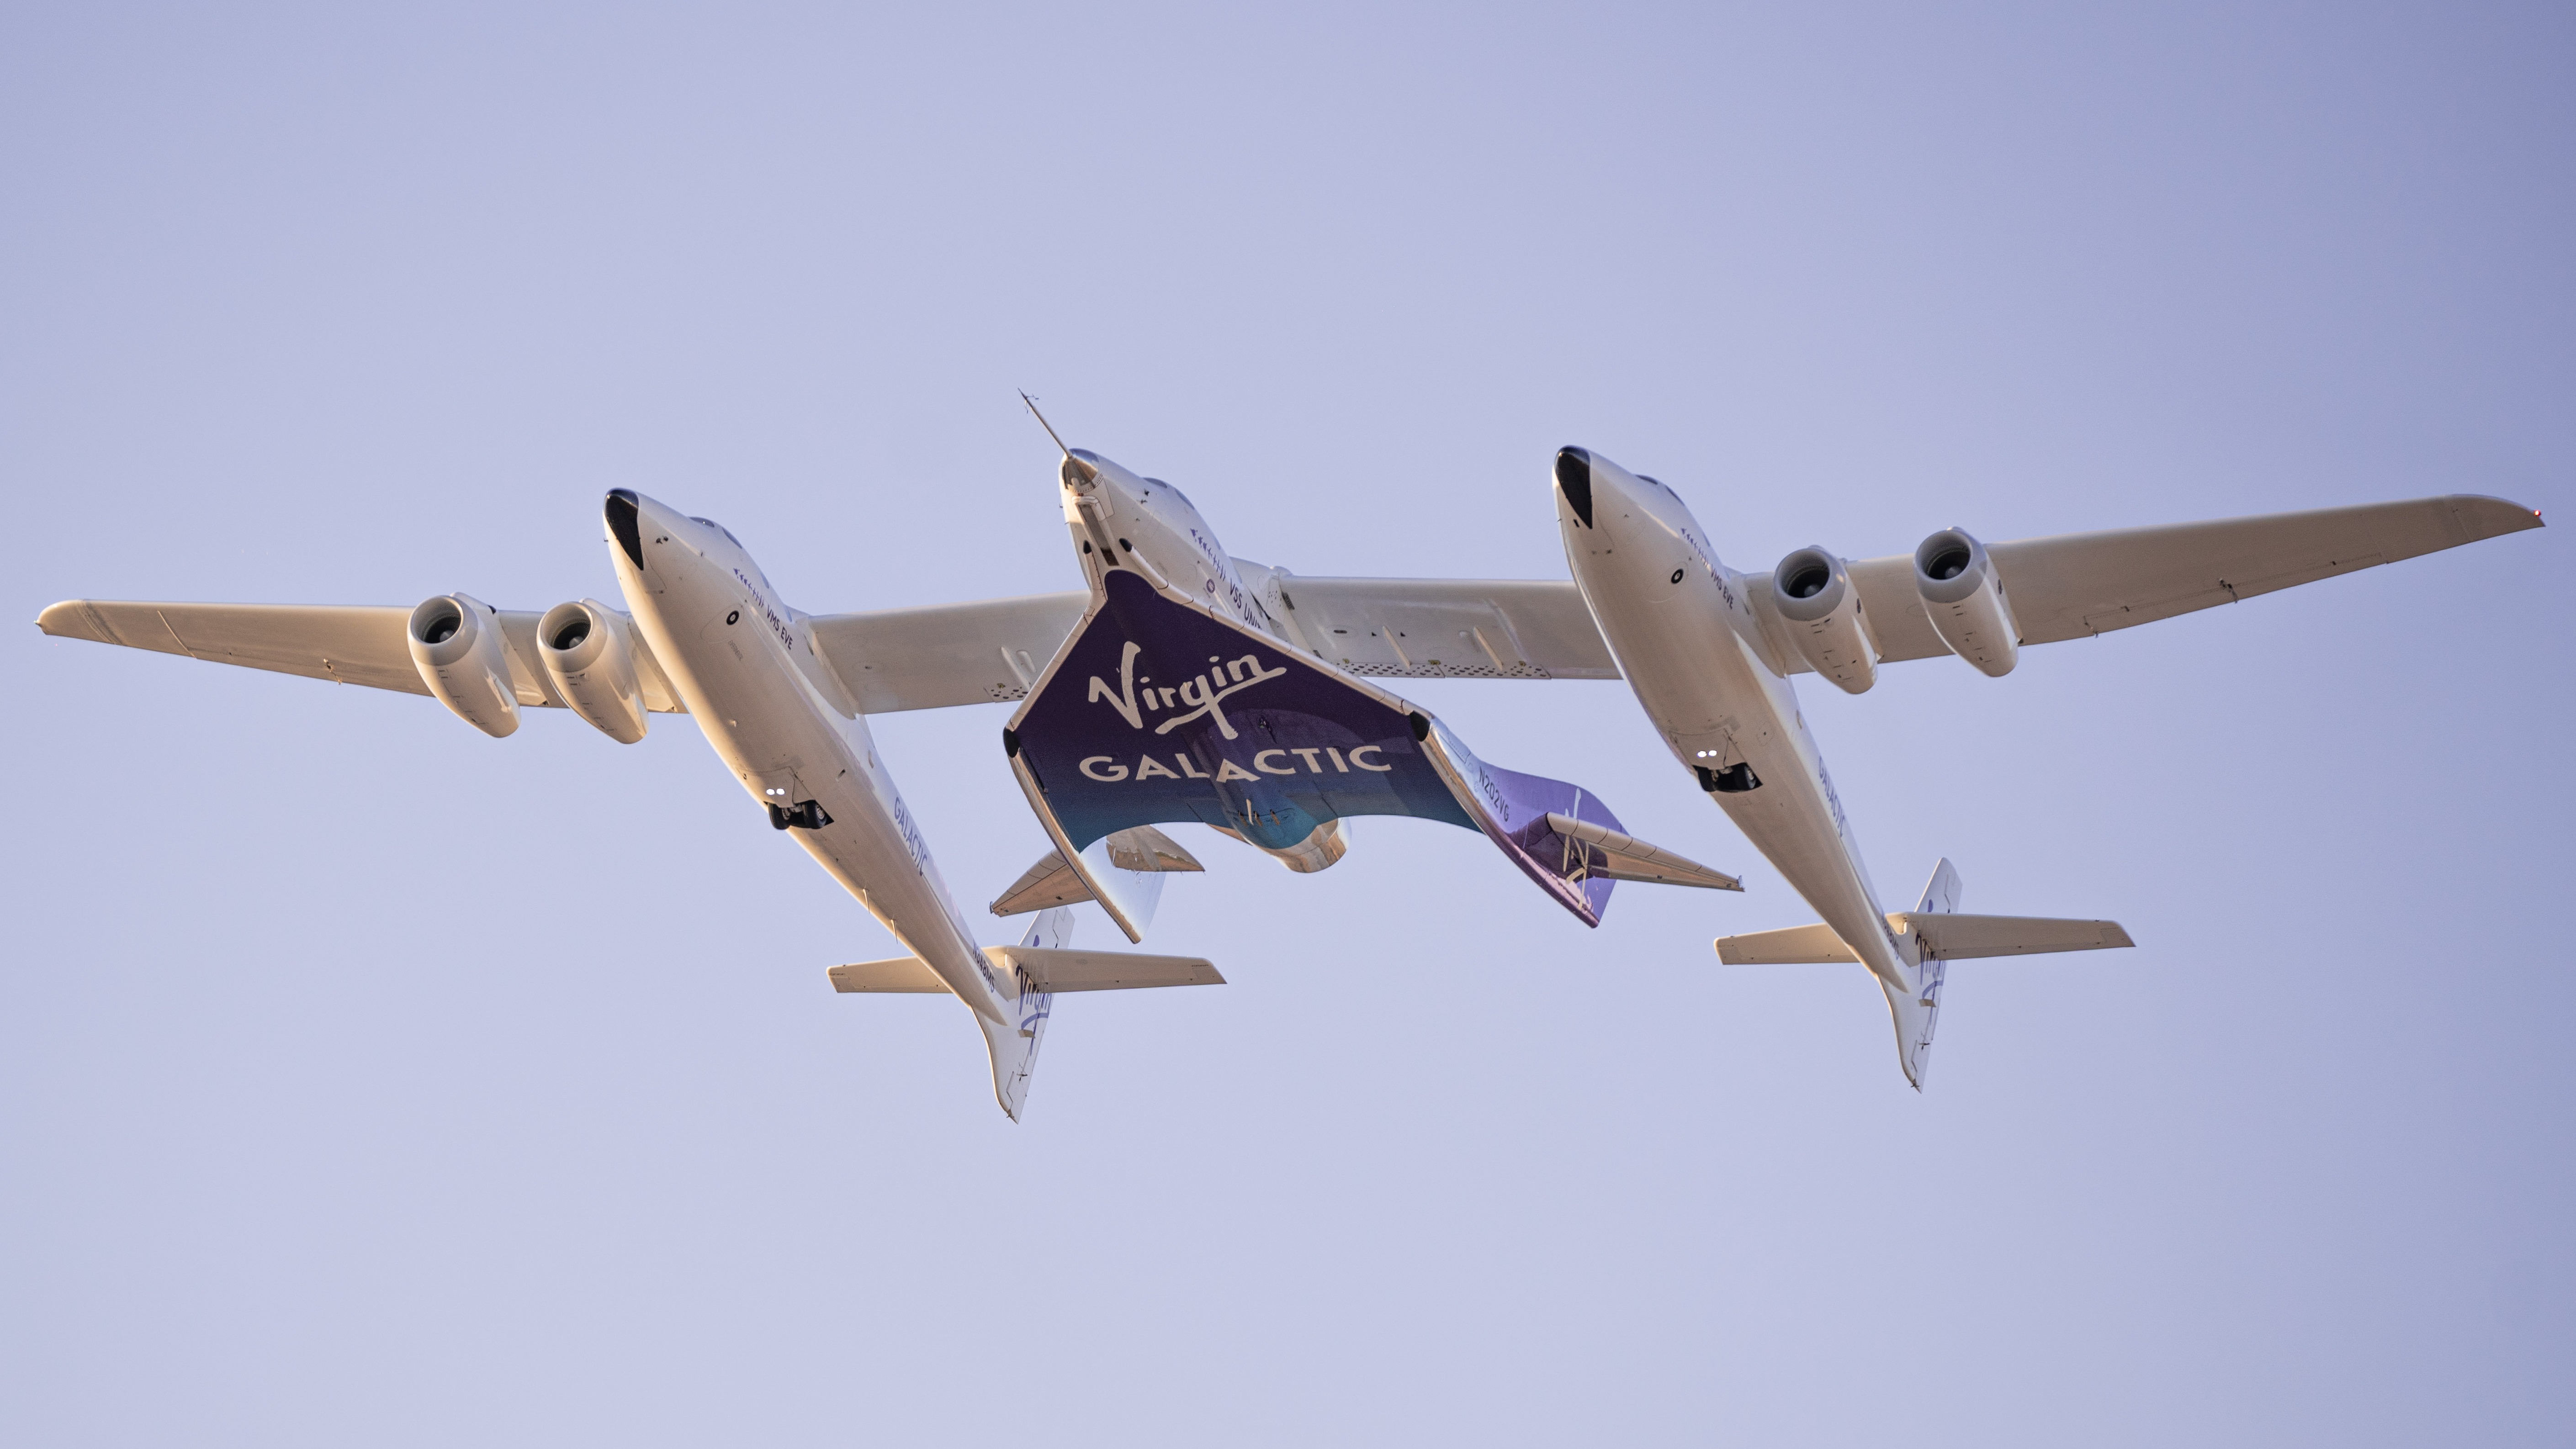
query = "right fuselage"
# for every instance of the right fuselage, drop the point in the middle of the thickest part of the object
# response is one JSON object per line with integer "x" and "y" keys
{"x": 1682, "y": 628}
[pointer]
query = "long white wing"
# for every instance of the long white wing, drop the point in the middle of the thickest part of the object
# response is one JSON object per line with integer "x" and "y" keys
{"x": 347, "y": 644}
{"x": 897, "y": 659}
{"x": 1443, "y": 628}
{"x": 2080, "y": 584}
{"x": 2065, "y": 587}
{"x": 929, "y": 658}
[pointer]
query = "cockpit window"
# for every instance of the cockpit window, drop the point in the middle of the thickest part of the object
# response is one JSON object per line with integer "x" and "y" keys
{"x": 1175, "y": 492}
{"x": 718, "y": 527}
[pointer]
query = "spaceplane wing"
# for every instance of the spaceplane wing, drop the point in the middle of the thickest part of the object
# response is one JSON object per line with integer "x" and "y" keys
{"x": 1161, "y": 711}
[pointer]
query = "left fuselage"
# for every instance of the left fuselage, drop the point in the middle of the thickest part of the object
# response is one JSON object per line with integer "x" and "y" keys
{"x": 1682, "y": 627}
{"x": 745, "y": 664}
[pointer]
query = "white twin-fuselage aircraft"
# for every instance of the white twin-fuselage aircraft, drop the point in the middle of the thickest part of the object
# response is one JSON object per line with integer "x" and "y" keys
{"x": 1188, "y": 684}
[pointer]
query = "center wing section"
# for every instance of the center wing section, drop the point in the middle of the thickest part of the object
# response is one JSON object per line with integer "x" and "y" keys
{"x": 946, "y": 654}
{"x": 1438, "y": 628}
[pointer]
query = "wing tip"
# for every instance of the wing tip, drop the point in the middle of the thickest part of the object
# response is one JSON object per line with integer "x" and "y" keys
{"x": 71, "y": 619}
{"x": 2483, "y": 516}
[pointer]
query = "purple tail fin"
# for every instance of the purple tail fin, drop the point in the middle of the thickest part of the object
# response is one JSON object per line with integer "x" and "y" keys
{"x": 1513, "y": 809}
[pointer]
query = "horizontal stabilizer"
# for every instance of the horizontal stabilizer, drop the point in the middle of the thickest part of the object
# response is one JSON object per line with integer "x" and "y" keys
{"x": 1956, "y": 937}
{"x": 1050, "y": 969}
{"x": 1068, "y": 969}
{"x": 895, "y": 973}
{"x": 1051, "y": 882}
{"x": 1942, "y": 937}
{"x": 1637, "y": 860}
{"x": 1770, "y": 948}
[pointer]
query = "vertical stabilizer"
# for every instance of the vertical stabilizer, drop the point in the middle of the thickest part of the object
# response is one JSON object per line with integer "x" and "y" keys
{"x": 1919, "y": 1010}
{"x": 1013, "y": 1041}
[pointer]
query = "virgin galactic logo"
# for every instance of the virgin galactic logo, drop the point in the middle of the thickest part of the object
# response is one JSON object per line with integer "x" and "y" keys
{"x": 1204, "y": 693}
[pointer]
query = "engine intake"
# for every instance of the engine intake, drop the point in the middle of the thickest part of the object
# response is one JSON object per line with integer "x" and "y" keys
{"x": 1817, "y": 599}
{"x": 591, "y": 659}
{"x": 1964, "y": 597}
{"x": 456, "y": 645}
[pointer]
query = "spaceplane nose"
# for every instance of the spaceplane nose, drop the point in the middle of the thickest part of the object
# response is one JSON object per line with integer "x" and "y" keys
{"x": 1574, "y": 480}
{"x": 1081, "y": 470}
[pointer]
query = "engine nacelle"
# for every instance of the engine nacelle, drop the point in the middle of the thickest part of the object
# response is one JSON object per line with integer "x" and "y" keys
{"x": 1816, "y": 597}
{"x": 1964, "y": 597}
{"x": 456, "y": 645}
{"x": 592, "y": 661}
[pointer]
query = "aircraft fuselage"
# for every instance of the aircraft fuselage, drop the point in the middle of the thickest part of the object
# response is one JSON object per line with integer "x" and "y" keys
{"x": 1682, "y": 627}
{"x": 744, "y": 663}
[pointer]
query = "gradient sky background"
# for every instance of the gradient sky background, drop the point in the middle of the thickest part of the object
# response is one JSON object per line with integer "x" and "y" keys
{"x": 365, "y": 1080}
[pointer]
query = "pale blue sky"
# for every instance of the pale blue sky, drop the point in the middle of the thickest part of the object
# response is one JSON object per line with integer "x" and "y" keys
{"x": 364, "y": 1080}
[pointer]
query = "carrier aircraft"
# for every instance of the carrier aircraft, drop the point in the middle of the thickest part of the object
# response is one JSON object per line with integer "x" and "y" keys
{"x": 1186, "y": 684}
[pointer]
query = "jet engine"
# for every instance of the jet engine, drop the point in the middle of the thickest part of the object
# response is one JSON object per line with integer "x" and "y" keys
{"x": 456, "y": 645}
{"x": 1964, "y": 597}
{"x": 1815, "y": 596}
{"x": 592, "y": 661}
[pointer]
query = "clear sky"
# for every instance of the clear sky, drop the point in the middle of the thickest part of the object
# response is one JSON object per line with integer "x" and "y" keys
{"x": 365, "y": 1080}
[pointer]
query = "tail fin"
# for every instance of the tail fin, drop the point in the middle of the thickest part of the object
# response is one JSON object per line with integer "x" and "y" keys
{"x": 1560, "y": 835}
{"x": 1918, "y": 1011}
{"x": 1013, "y": 1041}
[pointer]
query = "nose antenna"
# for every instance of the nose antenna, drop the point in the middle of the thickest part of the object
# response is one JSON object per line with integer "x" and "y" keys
{"x": 1072, "y": 463}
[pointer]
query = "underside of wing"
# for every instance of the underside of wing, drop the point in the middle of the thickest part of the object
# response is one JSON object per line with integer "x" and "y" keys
{"x": 2075, "y": 585}
{"x": 1445, "y": 628}
{"x": 346, "y": 644}
{"x": 980, "y": 653}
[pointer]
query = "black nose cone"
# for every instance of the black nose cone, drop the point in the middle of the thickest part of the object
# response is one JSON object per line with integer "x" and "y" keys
{"x": 1574, "y": 480}
{"x": 621, "y": 524}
